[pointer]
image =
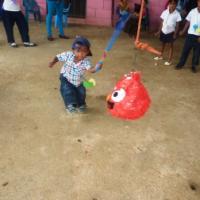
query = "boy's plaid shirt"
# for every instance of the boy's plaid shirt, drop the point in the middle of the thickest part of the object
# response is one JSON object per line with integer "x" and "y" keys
{"x": 73, "y": 72}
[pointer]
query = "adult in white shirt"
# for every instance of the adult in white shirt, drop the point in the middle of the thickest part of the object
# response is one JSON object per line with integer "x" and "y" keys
{"x": 192, "y": 40}
{"x": 168, "y": 29}
{"x": 12, "y": 14}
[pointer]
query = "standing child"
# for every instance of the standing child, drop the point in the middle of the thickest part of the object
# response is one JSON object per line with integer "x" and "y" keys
{"x": 76, "y": 63}
{"x": 168, "y": 29}
{"x": 192, "y": 40}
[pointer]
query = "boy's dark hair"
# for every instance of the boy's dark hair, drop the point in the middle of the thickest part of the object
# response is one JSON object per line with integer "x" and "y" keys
{"x": 81, "y": 41}
{"x": 173, "y": 1}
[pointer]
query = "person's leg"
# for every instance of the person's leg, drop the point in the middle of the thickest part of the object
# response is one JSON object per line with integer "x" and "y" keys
{"x": 22, "y": 26}
{"x": 68, "y": 93}
{"x": 59, "y": 13}
{"x": 8, "y": 23}
{"x": 27, "y": 15}
{"x": 185, "y": 52}
{"x": 51, "y": 6}
{"x": 81, "y": 96}
{"x": 195, "y": 57}
{"x": 162, "y": 49}
{"x": 39, "y": 16}
{"x": 167, "y": 63}
{"x": 35, "y": 15}
{"x": 171, "y": 50}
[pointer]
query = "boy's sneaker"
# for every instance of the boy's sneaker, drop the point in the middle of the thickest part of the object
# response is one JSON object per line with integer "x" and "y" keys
{"x": 158, "y": 58}
{"x": 29, "y": 44}
{"x": 82, "y": 108}
{"x": 71, "y": 109}
{"x": 13, "y": 44}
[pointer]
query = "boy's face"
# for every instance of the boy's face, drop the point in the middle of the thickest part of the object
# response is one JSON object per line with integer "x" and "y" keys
{"x": 172, "y": 6}
{"x": 81, "y": 52}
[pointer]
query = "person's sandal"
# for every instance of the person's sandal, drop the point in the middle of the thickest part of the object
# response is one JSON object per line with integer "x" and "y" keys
{"x": 158, "y": 58}
{"x": 29, "y": 44}
{"x": 167, "y": 63}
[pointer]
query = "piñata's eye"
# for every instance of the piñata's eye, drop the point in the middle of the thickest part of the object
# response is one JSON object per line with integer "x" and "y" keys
{"x": 118, "y": 95}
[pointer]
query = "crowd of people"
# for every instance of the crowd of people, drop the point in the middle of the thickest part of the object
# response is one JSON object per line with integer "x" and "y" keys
{"x": 178, "y": 17}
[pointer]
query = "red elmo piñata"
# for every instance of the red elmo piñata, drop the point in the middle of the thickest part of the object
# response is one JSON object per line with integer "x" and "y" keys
{"x": 129, "y": 99}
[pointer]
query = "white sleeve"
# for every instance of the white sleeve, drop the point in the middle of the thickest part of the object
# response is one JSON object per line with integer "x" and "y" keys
{"x": 87, "y": 64}
{"x": 163, "y": 15}
{"x": 63, "y": 57}
{"x": 189, "y": 16}
{"x": 178, "y": 18}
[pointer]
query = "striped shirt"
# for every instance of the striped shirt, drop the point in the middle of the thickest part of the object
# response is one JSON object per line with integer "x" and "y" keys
{"x": 73, "y": 72}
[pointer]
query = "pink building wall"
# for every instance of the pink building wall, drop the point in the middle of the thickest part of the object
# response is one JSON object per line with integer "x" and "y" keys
{"x": 99, "y": 12}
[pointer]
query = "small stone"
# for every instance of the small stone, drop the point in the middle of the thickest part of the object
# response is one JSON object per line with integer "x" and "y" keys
{"x": 5, "y": 184}
{"x": 193, "y": 187}
{"x": 79, "y": 140}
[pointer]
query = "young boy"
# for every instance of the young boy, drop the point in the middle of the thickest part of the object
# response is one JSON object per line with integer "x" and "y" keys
{"x": 76, "y": 63}
{"x": 192, "y": 40}
{"x": 168, "y": 29}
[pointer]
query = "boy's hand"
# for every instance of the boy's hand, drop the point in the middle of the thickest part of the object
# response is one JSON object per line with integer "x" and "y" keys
{"x": 51, "y": 64}
{"x": 99, "y": 66}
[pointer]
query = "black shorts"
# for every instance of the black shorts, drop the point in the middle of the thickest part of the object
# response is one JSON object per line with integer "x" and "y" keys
{"x": 166, "y": 38}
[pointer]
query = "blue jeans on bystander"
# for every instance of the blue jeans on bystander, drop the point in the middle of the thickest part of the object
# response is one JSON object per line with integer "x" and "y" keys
{"x": 54, "y": 8}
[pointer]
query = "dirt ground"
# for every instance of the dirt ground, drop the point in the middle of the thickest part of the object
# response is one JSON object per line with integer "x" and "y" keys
{"x": 46, "y": 154}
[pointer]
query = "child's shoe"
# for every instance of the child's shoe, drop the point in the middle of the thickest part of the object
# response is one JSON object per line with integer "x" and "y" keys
{"x": 158, "y": 58}
{"x": 167, "y": 63}
{"x": 71, "y": 109}
{"x": 13, "y": 44}
{"x": 82, "y": 108}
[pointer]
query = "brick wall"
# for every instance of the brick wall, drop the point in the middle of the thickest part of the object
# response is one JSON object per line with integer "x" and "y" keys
{"x": 99, "y": 12}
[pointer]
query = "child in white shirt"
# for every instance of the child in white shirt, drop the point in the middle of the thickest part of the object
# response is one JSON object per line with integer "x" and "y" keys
{"x": 192, "y": 40}
{"x": 168, "y": 29}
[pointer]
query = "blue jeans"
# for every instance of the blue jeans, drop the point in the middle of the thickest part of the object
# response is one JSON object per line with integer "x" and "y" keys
{"x": 71, "y": 94}
{"x": 54, "y": 7}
